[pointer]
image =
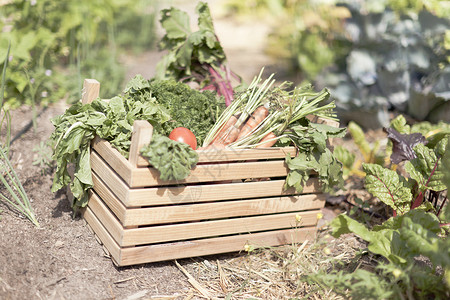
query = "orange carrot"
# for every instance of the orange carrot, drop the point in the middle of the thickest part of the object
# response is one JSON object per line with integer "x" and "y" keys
{"x": 231, "y": 136}
{"x": 268, "y": 137}
{"x": 220, "y": 136}
{"x": 254, "y": 120}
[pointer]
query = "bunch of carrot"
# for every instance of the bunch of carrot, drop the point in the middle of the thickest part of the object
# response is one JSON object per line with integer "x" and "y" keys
{"x": 262, "y": 115}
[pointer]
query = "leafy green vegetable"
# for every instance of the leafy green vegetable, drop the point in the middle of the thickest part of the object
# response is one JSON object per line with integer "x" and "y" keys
{"x": 426, "y": 169}
{"x": 174, "y": 160}
{"x": 194, "y": 56}
{"x": 388, "y": 186}
{"x": 400, "y": 238}
{"x": 113, "y": 122}
{"x": 187, "y": 107}
{"x": 410, "y": 77}
{"x": 314, "y": 156}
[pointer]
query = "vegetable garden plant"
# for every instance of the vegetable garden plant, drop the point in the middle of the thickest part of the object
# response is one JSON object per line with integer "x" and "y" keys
{"x": 418, "y": 228}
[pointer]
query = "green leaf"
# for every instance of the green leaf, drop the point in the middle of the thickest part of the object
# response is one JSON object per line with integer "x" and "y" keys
{"x": 329, "y": 131}
{"x": 379, "y": 241}
{"x": 204, "y": 20}
{"x": 346, "y": 157}
{"x": 172, "y": 159}
{"x": 428, "y": 220}
{"x": 425, "y": 242}
{"x": 426, "y": 169}
{"x": 360, "y": 140}
{"x": 175, "y": 22}
{"x": 388, "y": 186}
{"x": 399, "y": 124}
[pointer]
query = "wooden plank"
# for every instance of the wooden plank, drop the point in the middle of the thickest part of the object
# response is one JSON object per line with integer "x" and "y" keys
{"x": 106, "y": 217}
{"x": 226, "y": 155}
{"x": 103, "y": 234}
{"x": 108, "y": 197}
{"x": 112, "y": 157}
{"x": 222, "y": 209}
{"x": 145, "y": 177}
{"x": 177, "y": 250}
{"x": 184, "y": 231}
{"x": 142, "y": 134}
{"x": 209, "y": 192}
{"x": 91, "y": 91}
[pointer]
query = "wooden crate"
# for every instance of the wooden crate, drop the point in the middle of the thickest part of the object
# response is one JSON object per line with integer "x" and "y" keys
{"x": 224, "y": 204}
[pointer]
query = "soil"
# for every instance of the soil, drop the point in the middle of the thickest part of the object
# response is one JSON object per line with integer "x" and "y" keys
{"x": 62, "y": 259}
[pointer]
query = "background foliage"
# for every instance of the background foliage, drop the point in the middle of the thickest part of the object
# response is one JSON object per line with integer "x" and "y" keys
{"x": 376, "y": 56}
{"x": 56, "y": 44}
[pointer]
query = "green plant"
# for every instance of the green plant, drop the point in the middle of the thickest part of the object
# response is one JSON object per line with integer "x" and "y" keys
{"x": 369, "y": 152}
{"x": 398, "y": 60}
{"x": 418, "y": 228}
{"x": 12, "y": 184}
{"x": 60, "y": 43}
{"x": 174, "y": 160}
{"x": 303, "y": 33}
{"x": 194, "y": 56}
{"x": 43, "y": 155}
{"x": 8, "y": 175}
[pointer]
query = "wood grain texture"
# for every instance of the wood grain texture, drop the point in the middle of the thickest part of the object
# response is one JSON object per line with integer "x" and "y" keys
{"x": 105, "y": 154}
{"x": 103, "y": 234}
{"x": 141, "y": 135}
{"x": 202, "y": 247}
{"x": 227, "y": 155}
{"x": 212, "y": 192}
{"x": 191, "y": 230}
{"x": 91, "y": 91}
{"x": 222, "y": 209}
{"x": 146, "y": 177}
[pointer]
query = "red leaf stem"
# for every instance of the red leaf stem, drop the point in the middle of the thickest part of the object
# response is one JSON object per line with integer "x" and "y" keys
{"x": 418, "y": 201}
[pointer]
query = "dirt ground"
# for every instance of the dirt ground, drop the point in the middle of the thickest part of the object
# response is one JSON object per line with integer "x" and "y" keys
{"x": 62, "y": 259}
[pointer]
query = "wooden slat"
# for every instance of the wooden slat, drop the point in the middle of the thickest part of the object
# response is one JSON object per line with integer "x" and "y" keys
{"x": 91, "y": 91}
{"x": 141, "y": 136}
{"x": 208, "y": 192}
{"x": 184, "y": 231}
{"x": 177, "y": 250}
{"x": 106, "y": 217}
{"x": 145, "y": 177}
{"x": 103, "y": 234}
{"x": 222, "y": 209}
{"x": 209, "y": 210}
{"x": 108, "y": 197}
{"x": 226, "y": 155}
{"x": 112, "y": 157}
{"x": 192, "y": 230}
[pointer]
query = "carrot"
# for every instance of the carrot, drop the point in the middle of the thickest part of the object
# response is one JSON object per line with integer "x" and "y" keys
{"x": 220, "y": 136}
{"x": 254, "y": 120}
{"x": 271, "y": 139}
{"x": 231, "y": 136}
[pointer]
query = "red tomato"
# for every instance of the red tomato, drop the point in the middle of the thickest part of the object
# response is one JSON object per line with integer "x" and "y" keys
{"x": 184, "y": 135}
